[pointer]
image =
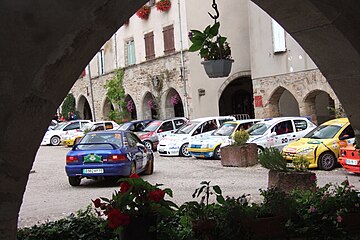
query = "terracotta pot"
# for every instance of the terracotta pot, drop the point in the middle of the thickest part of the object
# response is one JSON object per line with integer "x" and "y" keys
{"x": 143, "y": 227}
{"x": 218, "y": 68}
{"x": 287, "y": 181}
{"x": 239, "y": 156}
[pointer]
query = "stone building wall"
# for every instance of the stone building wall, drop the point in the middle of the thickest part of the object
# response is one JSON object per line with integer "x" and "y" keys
{"x": 137, "y": 83}
{"x": 304, "y": 86}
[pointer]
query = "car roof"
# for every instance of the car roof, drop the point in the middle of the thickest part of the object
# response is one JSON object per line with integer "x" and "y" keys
{"x": 277, "y": 119}
{"x": 244, "y": 121}
{"x": 210, "y": 118}
{"x": 110, "y": 131}
{"x": 336, "y": 121}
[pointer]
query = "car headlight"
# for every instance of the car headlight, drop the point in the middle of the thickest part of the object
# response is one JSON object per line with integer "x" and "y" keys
{"x": 305, "y": 151}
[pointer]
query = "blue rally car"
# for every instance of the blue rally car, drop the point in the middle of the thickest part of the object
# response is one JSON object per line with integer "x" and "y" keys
{"x": 108, "y": 153}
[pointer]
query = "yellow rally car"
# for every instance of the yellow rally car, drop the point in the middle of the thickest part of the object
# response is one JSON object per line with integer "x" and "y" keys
{"x": 322, "y": 145}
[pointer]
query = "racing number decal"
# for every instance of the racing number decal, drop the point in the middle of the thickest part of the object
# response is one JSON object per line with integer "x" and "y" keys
{"x": 284, "y": 140}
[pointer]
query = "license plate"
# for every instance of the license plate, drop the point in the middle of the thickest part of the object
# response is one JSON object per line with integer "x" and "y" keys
{"x": 351, "y": 162}
{"x": 94, "y": 170}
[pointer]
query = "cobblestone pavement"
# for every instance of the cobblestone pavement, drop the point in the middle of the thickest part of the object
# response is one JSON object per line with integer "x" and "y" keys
{"x": 48, "y": 195}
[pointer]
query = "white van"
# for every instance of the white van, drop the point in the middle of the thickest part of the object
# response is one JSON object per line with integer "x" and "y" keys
{"x": 177, "y": 143}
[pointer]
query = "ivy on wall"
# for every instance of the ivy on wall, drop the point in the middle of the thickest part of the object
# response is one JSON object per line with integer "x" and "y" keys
{"x": 116, "y": 94}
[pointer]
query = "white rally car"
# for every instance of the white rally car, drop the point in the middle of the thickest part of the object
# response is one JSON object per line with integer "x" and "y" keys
{"x": 177, "y": 143}
{"x": 278, "y": 132}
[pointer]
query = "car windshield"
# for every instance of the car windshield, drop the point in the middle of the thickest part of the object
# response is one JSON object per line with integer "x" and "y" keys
{"x": 323, "y": 132}
{"x": 60, "y": 126}
{"x": 225, "y": 130}
{"x": 125, "y": 126}
{"x": 258, "y": 128}
{"x": 97, "y": 138}
{"x": 187, "y": 127}
{"x": 152, "y": 126}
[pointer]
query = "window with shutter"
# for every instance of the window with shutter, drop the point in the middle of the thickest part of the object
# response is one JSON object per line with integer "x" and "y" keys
{"x": 279, "y": 43}
{"x": 169, "y": 46}
{"x": 130, "y": 52}
{"x": 149, "y": 46}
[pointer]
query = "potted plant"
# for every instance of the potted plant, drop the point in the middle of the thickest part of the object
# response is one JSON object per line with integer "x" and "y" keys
{"x": 163, "y": 5}
{"x": 283, "y": 177}
{"x": 143, "y": 12}
{"x": 214, "y": 49}
{"x": 134, "y": 210}
{"x": 239, "y": 153}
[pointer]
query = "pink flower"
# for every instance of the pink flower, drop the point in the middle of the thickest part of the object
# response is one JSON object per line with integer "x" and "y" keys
{"x": 357, "y": 204}
{"x": 339, "y": 219}
{"x": 313, "y": 178}
{"x": 312, "y": 209}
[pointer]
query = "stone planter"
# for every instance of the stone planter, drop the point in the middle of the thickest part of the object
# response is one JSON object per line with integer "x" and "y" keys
{"x": 218, "y": 68}
{"x": 266, "y": 227}
{"x": 239, "y": 156}
{"x": 290, "y": 180}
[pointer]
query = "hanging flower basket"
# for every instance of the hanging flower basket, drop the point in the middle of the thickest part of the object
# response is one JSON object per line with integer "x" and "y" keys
{"x": 143, "y": 12}
{"x": 163, "y": 5}
{"x": 217, "y": 68}
{"x": 175, "y": 99}
{"x": 151, "y": 104}
{"x": 130, "y": 106}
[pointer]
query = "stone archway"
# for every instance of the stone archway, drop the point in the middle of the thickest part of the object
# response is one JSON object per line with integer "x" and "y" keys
{"x": 107, "y": 108}
{"x": 237, "y": 97}
{"x": 282, "y": 103}
{"x": 173, "y": 104}
{"x": 320, "y": 106}
{"x": 84, "y": 108}
{"x": 131, "y": 107}
{"x": 149, "y": 107}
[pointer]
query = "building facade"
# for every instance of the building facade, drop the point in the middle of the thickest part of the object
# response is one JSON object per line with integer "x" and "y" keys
{"x": 271, "y": 74}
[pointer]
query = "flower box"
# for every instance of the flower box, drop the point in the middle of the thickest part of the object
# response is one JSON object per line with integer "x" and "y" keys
{"x": 163, "y": 5}
{"x": 217, "y": 68}
{"x": 290, "y": 180}
{"x": 239, "y": 156}
{"x": 143, "y": 12}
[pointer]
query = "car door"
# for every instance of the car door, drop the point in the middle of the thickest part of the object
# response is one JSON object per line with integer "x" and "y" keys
{"x": 284, "y": 134}
{"x": 165, "y": 129}
{"x": 136, "y": 153}
{"x": 207, "y": 128}
{"x": 70, "y": 129}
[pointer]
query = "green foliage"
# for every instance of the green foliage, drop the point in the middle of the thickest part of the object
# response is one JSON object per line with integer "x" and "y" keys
{"x": 272, "y": 159}
{"x": 301, "y": 163}
{"x": 116, "y": 94}
{"x": 68, "y": 105}
{"x": 210, "y": 44}
{"x": 240, "y": 137}
{"x": 85, "y": 225}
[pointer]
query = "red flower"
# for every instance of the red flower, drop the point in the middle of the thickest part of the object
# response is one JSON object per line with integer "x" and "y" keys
{"x": 116, "y": 219}
{"x": 313, "y": 178}
{"x": 157, "y": 195}
{"x": 163, "y": 5}
{"x": 96, "y": 202}
{"x": 124, "y": 187}
{"x": 143, "y": 12}
{"x": 134, "y": 175}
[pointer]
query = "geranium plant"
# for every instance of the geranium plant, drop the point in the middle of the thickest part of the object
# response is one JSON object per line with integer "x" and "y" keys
{"x": 136, "y": 198}
{"x": 175, "y": 99}
{"x": 143, "y": 12}
{"x": 210, "y": 44}
{"x": 151, "y": 104}
{"x": 130, "y": 106}
{"x": 163, "y": 5}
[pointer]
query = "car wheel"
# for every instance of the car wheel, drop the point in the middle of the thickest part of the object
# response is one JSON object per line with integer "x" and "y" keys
{"x": 217, "y": 153}
{"x": 148, "y": 145}
{"x": 149, "y": 167}
{"x": 184, "y": 150}
{"x": 327, "y": 161}
{"x": 132, "y": 169}
{"x": 74, "y": 181}
{"x": 55, "y": 141}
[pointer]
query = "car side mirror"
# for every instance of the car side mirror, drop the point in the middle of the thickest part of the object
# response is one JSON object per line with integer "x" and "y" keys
{"x": 272, "y": 134}
{"x": 344, "y": 137}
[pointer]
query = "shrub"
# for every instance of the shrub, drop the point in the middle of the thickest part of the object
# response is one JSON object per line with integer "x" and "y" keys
{"x": 301, "y": 163}
{"x": 85, "y": 224}
{"x": 272, "y": 159}
{"x": 240, "y": 137}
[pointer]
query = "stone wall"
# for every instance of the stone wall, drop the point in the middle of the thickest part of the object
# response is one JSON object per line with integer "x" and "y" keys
{"x": 304, "y": 86}
{"x": 137, "y": 83}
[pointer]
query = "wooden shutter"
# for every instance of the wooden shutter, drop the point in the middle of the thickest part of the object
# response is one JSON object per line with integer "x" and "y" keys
{"x": 168, "y": 32}
{"x": 149, "y": 46}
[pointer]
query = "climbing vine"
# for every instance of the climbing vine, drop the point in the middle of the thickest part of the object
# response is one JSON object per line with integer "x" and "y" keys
{"x": 116, "y": 94}
{"x": 68, "y": 105}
